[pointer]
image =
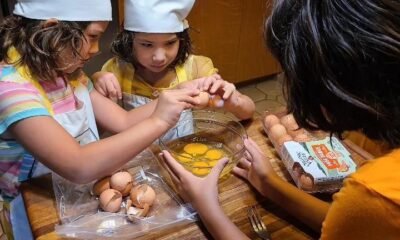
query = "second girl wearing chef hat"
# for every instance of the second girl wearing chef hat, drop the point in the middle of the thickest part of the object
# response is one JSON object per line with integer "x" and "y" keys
{"x": 154, "y": 53}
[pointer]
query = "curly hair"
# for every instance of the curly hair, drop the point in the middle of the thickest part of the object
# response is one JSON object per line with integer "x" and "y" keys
{"x": 40, "y": 47}
{"x": 342, "y": 64}
{"x": 122, "y": 47}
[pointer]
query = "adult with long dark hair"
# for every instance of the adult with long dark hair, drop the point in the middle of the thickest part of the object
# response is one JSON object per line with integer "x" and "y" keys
{"x": 342, "y": 64}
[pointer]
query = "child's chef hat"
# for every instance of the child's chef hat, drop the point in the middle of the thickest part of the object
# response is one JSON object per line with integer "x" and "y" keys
{"x": 65, "y": 10}
{"x": 157, "y": 16}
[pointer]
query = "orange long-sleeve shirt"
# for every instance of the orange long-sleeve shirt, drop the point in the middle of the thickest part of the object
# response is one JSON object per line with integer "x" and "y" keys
{"x": 368, "y": 205}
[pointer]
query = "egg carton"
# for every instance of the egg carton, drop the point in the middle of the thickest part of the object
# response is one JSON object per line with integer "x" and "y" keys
{"x": 316, "y": 161}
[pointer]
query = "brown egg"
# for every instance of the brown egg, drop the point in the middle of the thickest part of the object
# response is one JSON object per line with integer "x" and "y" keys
{"x": 295, "y": 130}
{"x": 203, "y": 98}
{"x": 142, "y": 195}
{"x": 297, "y": 170}
{"x": 122, "y": 182}
{"x": 216, "y": 101}
{"x": 101, "y": 185}
{"x": 110, "y": 200}
{"x": 302, "y": 137}
{"x": 134, "y": 213}
{"x": 277, "y": 131}
{"x": 283, "y": 139}
{"x": 288, "y": 120}
{"x": 306, "y": 182}
{"x": 270, "y": 120}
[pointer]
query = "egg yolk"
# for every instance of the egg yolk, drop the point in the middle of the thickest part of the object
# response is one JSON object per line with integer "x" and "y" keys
{"x": 195, "y": 148}
{"x": 212, "y": 163}
{"x": 200, "y": 165}
{"x": 184, "y": 158}
{"x": 214, "y": 154}
{"x": 200, "y": 171}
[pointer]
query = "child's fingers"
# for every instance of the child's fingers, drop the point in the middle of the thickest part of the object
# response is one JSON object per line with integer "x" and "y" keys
{"x": 229, "y": 90}
{"x": 244, "y": 163}
{"x": 172, "y": 175}
{"x": 255, "y": 145}
{"x": 240, "y": 172}
{"x": 112, "y": 92}
{"x": 173, "y": 165}
{"x": 216, "y": 85}
{"x": 207, "y": 83}
{"x": 101, "y": 91}
{"x": 117, "y": 87}
{"x": 217, "y": 169}
{"x": 251, "y": 149}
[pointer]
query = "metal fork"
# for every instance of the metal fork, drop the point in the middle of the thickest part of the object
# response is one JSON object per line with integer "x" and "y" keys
{"x": 257, "y": 223}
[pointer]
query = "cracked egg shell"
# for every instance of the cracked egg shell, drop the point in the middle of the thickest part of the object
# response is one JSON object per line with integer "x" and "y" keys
{"x": 122, "y": 182}
{"x": 110, "y": 200}
{"x": 142, "y": 195}
{"x": 101, "y": 185}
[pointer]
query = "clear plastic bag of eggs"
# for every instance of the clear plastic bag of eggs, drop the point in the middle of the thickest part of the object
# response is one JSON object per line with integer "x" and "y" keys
{"x": 125, "y": 204}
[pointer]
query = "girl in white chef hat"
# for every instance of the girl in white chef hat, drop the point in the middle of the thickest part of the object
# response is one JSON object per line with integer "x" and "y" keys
{"x": 48, "y": 106}
{"x": 154, "y": 53}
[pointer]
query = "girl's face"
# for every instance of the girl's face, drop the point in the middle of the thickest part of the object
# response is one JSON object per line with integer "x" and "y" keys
{"x": 90, "y": 46}
{"x": 155, "y": 51}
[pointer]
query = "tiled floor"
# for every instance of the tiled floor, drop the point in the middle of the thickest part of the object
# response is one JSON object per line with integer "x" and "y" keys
{"x": 266, "y": 93}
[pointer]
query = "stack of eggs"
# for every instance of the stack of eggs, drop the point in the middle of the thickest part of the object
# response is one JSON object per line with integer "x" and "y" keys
{"x": 283, "y": 129}
{"x": 112, "y": 189}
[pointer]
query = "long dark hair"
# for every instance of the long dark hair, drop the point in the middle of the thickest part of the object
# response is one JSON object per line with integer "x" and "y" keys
{"x": 341, "y": 59}
{"x": 40, "y": 47}
{"x": 122, "y": 47}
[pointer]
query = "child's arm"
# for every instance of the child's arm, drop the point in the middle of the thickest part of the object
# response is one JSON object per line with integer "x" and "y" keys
{"x": 205, "y": 202}
{"x": 106, "y": 83}
{"x": 240, "y": 105}
{"x": 58, "y": 150}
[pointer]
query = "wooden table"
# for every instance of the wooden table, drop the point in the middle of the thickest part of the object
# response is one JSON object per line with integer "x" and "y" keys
{"x": 235, "y": 197}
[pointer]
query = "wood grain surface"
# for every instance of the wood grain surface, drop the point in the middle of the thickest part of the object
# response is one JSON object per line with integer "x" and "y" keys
{"x": 235, "y": 197}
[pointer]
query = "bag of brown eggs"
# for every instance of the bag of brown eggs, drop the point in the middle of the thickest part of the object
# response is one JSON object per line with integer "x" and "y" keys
{"x": 316, "y": 161}
{"x": 127, "y": 204}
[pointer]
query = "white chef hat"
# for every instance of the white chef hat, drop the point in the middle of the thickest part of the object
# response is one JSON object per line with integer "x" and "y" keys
{"x": 157, "y": 16}
{"x": 65, "y": 10}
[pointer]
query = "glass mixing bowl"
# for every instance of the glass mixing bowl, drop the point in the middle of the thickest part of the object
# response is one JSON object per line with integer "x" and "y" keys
{"x": 201, "y": 138}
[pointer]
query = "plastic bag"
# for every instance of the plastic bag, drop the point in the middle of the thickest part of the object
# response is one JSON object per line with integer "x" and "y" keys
{"x": 81, "y": 217}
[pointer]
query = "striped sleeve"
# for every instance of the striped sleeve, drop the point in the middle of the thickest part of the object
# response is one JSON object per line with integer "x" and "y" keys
{"x": 19, "y": 101}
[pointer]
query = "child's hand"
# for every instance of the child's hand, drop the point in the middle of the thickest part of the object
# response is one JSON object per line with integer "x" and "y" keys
{"x": 196, "y": 190}
{"x": 202, "y": 84}
{"x": 255, "y": 167}
{"x": 220, "y": 87}
{"x": 172, "y": 102}
{"x": 107, "y": 85}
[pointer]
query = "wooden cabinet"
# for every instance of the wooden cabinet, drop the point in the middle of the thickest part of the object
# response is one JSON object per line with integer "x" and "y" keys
{"x": 230, "y": 32}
